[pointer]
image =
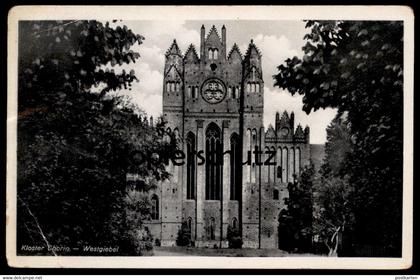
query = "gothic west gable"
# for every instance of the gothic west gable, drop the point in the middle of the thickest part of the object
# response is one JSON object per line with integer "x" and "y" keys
{"x": 202, "y": 106}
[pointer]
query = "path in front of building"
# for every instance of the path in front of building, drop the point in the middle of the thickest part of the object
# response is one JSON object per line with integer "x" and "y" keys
{"x": 246, "y": 252}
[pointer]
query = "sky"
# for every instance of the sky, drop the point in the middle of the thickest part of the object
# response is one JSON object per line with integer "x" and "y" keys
{"x": 277, "y": 41}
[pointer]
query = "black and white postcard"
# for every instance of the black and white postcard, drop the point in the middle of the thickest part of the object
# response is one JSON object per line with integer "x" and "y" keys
{"x": 210, "y": 137}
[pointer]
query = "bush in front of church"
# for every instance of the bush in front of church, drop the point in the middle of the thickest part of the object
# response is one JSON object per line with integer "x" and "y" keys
{"x": 234, "y": 238}
{"x": 184, "y": 235}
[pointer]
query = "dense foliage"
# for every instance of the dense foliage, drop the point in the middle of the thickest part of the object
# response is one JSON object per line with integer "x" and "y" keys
{"x": 295, "y": 222}
{"x": 184, "y": 235}
{"x": 357, "y": 67}
{"x": 234, "y": 237}
{"x": 333, "y": 215}
{"x": 77, "y": 142}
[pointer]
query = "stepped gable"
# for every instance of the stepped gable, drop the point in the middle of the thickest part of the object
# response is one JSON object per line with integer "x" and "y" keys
{"x": 235, "y": 51}
{"x": 173, "y": 50}
{"x": 213, "y": 34}
{"x": 191, "y": 54}
{"x": 252, "y": 50}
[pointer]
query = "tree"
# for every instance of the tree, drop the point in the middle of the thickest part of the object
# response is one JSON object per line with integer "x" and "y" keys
{"x": 357, "y": 67}
{"x": 78, "y": 139}
{"x": 333, "y": 215}
{"x": 295, "y": 222}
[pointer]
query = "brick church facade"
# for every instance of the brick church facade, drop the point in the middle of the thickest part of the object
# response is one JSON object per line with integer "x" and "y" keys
{"x": 213, "y": 101}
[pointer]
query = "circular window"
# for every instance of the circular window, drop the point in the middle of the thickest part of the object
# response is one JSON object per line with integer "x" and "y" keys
{"x": 213, "y": 91}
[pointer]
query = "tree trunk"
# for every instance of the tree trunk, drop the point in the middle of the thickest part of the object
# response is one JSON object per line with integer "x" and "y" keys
{"x": 334, "y": 244}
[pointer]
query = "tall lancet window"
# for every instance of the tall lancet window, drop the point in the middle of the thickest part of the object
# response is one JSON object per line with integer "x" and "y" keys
{"x": 189, "y": 95}
{"x": 214, "y": 157}
{"x": 215, "y": 54}
{"x": 235, "y": 167}
{"x": 154, "y": 213}
{"x": 190, "y": 165}
{"x": 212, "y": 229}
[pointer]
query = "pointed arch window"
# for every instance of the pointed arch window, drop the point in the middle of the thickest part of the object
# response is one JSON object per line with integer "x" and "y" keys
{"x": 279, "y": 172}
{"x": 154, "y": 213}
{"x": 291, "y": 160}
{"x": 297, "y": 161}
{"x": 235, "y": 167}
{"x": 284, "y": 163}
{"x": 196, "y": 92}
{"x": 235, "y": 223}
{"x": 189, "y": 95}
{"x": 254, "y": 170}
{"x": 189, "y": 223}
{"x": 190, "y": 165}
{"x": 235, "y": 93}
{"x": 253, "y": 87}
{"x": 212, "y": 229}
{"x": 210, "y": 54}
{"x": 215, "y": 54}
{"x": 276, "y": 194}
{"x": 214, "y": 157}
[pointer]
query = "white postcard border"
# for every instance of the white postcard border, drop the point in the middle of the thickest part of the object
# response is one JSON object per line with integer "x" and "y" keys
{"x": 211, "y": 13}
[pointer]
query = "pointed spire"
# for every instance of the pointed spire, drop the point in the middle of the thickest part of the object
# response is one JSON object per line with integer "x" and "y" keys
{"x": 236, "y": 49}
{"x": 202, "y": 40}
{"x": 224, "y": 39}
{"x": 306, "y": 133}
{"x": 174, "y": 49}
{"x": 292, "y": 119}
{"x": 270, "y": 132}
{"x": 299, "y": 132}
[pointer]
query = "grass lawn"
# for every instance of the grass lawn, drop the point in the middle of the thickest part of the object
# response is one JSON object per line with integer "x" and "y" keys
{"x": 210, "y": 252}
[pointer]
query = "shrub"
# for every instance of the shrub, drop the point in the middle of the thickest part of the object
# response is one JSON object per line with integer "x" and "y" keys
{"x": 157, "y": 242}
{"x": 234, "y": 237}
{"x": 184, "y": 235}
